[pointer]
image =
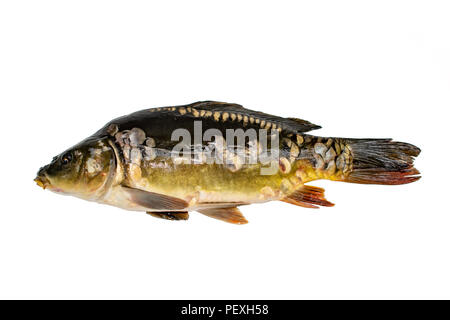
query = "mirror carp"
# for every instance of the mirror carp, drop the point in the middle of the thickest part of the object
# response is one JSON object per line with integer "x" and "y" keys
{"x": 213, "y": 157}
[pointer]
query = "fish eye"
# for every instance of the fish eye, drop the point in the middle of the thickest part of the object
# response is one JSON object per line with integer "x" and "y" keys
{"x": 66, "y": 158}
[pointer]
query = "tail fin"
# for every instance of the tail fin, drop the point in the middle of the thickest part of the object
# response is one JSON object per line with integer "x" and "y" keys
{"x": 382, "y": 161}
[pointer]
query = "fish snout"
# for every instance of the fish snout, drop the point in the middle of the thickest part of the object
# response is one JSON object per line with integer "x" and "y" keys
{"x": 41, "y": 178}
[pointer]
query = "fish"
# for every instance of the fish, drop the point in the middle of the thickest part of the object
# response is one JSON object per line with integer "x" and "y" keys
{"x": 214, "y": 157}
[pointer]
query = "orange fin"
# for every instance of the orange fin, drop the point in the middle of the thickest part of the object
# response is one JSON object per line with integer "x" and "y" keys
{"x": 383, "y": 176}
{"x": 382, "y": 161}
{"x": 230, "y": 214}
{"x": 308, "y": 197}
{"x": 155, "y": 201}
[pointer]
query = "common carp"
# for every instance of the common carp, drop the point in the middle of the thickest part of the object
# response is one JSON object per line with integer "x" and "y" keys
{"x": 212, "y": 157}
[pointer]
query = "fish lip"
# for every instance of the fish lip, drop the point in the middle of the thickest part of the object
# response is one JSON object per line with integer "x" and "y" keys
{"x": 42, "y": 181}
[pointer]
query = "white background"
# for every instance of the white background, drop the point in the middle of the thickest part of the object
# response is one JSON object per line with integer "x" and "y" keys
{"x": 358, "y": 68}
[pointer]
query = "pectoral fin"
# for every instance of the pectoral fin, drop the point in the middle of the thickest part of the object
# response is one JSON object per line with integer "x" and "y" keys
{"x": 173, "y": 215}
{"x": 230, "y": 214}
{"x": 155, "y": 201}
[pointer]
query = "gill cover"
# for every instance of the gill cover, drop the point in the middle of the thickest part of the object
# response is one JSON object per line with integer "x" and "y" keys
{"x": 84, "y": 170}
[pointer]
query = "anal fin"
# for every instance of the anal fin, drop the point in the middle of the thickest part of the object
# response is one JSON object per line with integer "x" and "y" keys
{"x": 227, "y": 214}
{"x": 173, "y": 215}
{"x": 308, "y": 197}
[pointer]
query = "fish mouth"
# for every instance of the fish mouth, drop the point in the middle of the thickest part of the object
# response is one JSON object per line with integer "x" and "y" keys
{"x": 42, "y": 182}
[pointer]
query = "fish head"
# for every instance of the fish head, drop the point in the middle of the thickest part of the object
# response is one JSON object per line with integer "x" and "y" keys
{"x": 84, "y": 171}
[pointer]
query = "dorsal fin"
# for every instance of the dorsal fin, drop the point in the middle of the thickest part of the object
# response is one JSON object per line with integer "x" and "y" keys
{"x": 215, "y": 104}
{"x": 293, "y": 125}
{"x": 305, "y": 123}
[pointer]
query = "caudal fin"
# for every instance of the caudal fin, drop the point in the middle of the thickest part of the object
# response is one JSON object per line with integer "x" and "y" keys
{"x": 382, "y": 161}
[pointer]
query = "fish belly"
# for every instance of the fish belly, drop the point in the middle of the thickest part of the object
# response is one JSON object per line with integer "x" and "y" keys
{"x": 201, "y": 184}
